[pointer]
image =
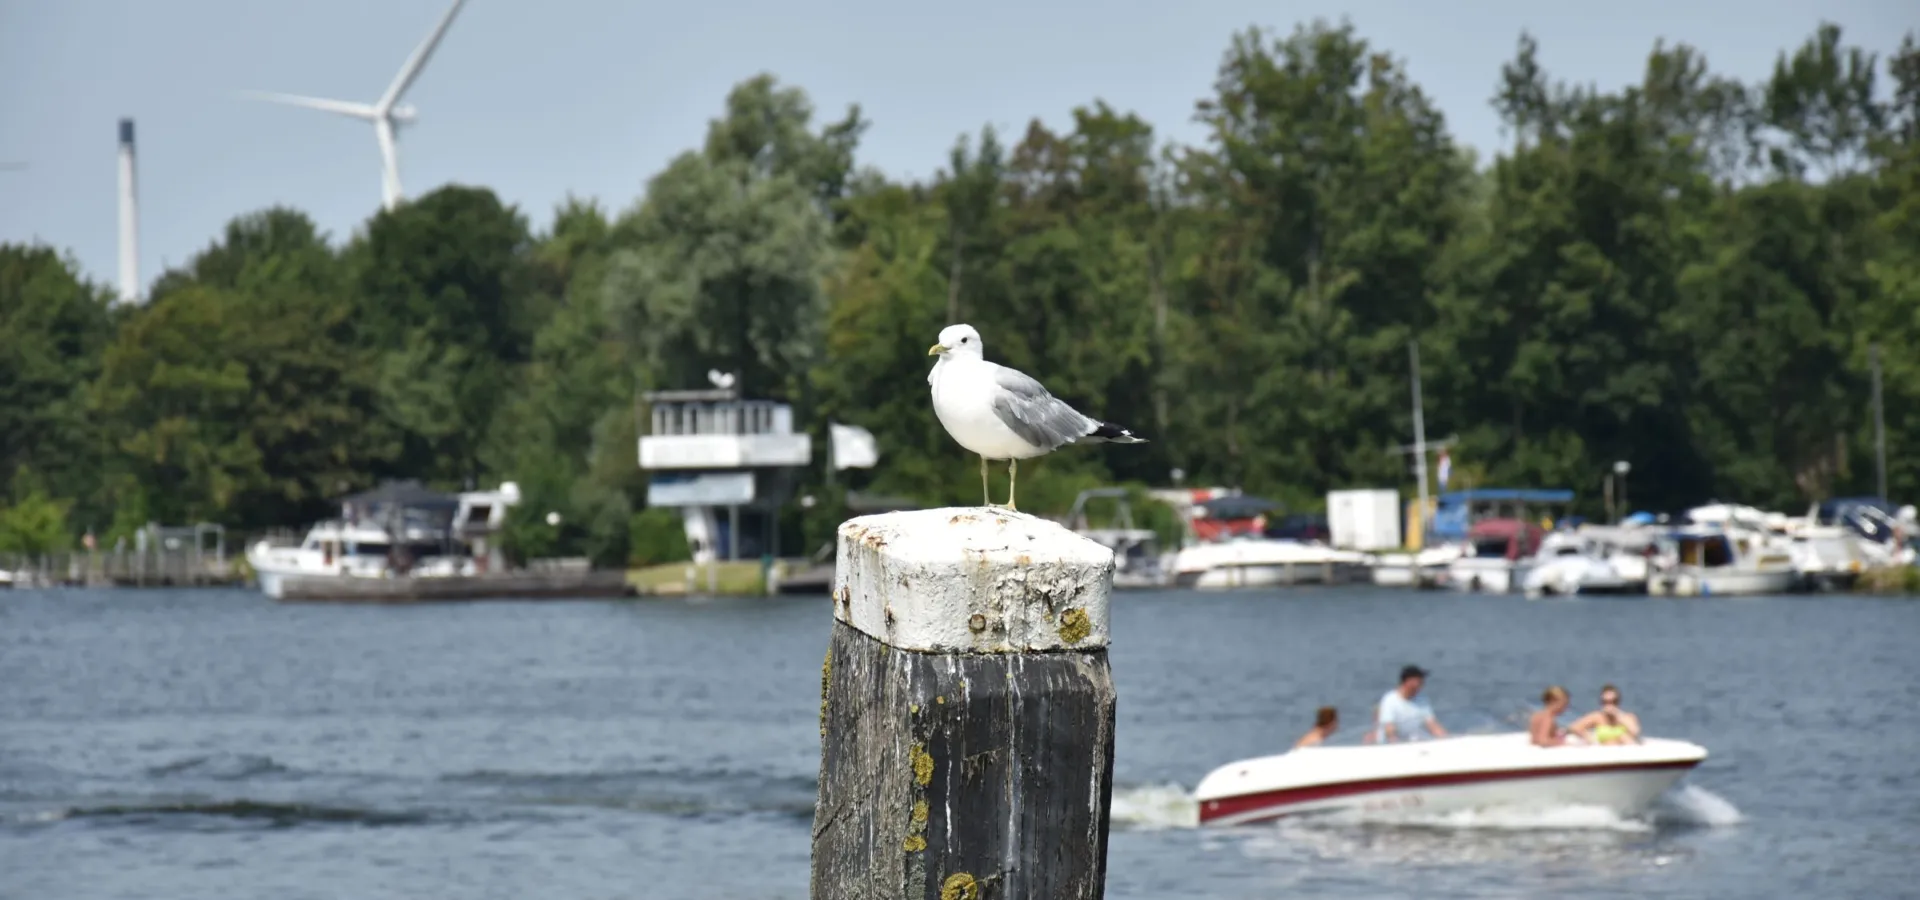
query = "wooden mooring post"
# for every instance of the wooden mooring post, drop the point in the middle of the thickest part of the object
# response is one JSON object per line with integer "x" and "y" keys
{"x": 967, "y": 711}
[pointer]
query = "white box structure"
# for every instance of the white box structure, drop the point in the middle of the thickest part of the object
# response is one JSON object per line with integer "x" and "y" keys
{"x": 1364, "y": 519}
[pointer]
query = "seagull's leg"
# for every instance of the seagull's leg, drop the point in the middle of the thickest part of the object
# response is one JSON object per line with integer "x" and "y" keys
{"x": 1013, "y": 469}
{"x": 986, "y": 498}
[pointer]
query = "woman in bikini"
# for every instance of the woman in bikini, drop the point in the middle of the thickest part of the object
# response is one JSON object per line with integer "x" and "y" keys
{"x": 1609, "y": 724}
{"x": 1545, "y": 728}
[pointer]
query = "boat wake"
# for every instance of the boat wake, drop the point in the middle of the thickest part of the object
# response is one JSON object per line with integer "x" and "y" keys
{"x": 1154, "y": 807}
{"x": 1158, "y": 807}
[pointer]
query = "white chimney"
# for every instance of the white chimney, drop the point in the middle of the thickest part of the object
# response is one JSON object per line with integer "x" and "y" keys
{"x": 129, "y": 220}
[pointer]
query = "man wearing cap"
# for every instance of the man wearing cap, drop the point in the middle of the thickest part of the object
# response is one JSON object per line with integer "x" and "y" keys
{"x": 1400, "y": 717}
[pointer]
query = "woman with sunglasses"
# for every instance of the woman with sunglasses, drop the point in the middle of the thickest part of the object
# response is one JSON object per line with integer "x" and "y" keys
{"x": 1609, "y": 724}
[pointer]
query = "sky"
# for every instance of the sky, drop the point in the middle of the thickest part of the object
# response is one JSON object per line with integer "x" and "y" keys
{"x": 592, "y": 97}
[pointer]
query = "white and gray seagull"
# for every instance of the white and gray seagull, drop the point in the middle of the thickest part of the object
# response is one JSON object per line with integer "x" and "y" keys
{"x": 1002, "y": 413}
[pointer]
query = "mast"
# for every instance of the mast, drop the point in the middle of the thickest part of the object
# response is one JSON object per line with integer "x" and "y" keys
{"x": 1419, "y": 439}
{"x": 1879, "y": 428}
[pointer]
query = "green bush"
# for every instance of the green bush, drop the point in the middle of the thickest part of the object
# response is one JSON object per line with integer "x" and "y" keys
{"x": 657, "y": 535}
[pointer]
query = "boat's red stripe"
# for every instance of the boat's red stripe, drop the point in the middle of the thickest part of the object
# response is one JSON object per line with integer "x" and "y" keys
{"x": 1276, "y": 800}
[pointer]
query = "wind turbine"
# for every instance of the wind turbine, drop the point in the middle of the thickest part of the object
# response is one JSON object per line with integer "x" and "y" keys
{"x": 387, "y": 113}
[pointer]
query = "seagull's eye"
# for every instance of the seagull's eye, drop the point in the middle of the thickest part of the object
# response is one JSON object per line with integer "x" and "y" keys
{"x": 964, "y": 340}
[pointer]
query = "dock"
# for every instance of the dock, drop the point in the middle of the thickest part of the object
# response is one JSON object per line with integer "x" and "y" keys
{"x": 555, "y": 585}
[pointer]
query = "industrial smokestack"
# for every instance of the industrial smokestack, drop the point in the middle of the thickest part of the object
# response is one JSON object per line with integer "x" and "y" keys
{"x": 129, "y": 220}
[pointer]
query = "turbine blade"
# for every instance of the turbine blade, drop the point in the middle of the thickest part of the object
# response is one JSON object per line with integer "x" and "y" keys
{"x": 340, "y": 107}
{"x": 418, "y": 60}
{"x": 389, "y": 163}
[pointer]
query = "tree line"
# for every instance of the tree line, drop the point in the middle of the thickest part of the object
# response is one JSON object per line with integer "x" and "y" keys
{"x": 1690, "y": 274}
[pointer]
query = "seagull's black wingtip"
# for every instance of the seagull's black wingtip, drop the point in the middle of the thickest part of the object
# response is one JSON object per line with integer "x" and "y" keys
{"x": 1111, "y": 433}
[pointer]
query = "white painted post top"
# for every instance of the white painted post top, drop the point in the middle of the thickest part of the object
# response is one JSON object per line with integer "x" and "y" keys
{"x": 972, "y": 580}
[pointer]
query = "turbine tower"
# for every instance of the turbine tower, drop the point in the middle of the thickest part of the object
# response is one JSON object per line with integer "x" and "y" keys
{"x": 129, "y": 219}
{"x": 387, "y": 113}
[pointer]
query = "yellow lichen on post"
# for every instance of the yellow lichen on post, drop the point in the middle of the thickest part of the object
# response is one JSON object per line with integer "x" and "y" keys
{"x": 914, "y": 843}
{"x": 922, "y": 765}
{"x": 1074, "y": 626}
{"x": 826, "y": 679}
{"x": 919, "y": 812}
{"x": 959, "y": 886}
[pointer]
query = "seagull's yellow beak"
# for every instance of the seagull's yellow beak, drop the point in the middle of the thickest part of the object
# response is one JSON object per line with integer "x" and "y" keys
{"x": 936, "y": 349}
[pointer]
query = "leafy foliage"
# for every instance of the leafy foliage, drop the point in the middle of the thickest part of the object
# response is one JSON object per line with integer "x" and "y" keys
{"x": 1691, "y": 274}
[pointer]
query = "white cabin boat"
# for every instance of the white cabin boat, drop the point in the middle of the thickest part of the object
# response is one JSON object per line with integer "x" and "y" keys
{"x": 1710, "y": 560}
{"x": 393, "y": 532}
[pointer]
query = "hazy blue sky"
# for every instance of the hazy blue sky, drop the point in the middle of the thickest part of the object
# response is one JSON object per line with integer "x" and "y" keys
{"x": 592, "y": 97}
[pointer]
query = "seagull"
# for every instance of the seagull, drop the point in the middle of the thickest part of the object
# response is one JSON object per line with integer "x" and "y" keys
{"x": 1002, "y": 413}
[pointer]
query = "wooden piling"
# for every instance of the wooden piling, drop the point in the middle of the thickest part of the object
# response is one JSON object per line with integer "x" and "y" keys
{"x": 967, "y": 711}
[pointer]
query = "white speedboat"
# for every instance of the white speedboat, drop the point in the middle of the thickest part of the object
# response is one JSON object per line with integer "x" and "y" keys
{"x": 1590, "y": 560}
{"x": 1456, "y": 774}
{"x": 1264, "y": 562}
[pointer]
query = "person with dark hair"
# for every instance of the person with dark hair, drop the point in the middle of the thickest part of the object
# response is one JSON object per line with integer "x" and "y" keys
{"x": 1325, "y": 722}
{"x": 1399, "y": 717}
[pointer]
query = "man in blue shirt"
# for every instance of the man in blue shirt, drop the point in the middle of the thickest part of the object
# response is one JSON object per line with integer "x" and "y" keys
{"x": 1400, "y": 716}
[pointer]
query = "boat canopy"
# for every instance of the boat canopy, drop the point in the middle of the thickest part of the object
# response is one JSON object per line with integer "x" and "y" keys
{"x": 1457, "y": 510}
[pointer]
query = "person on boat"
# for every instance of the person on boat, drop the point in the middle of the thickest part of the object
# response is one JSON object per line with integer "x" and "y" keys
{"x": 1400, "y": 716}
{"x": 1544, "y": 729}
{"x": 1325, "y": 722}
{"x": 1609, "y": 724}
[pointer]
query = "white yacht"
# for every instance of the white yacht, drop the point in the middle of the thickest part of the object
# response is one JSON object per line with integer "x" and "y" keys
{"x": 1723, "y": 560}
{"x": 395, "y": 531}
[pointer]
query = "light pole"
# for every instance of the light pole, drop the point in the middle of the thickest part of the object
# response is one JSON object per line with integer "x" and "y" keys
{"x": 1620, "y": 470}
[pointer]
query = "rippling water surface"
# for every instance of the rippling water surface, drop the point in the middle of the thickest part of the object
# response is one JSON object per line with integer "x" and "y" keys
{"x": 198, "y": 744}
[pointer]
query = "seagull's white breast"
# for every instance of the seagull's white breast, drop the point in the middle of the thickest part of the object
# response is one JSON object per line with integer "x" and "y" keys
{"x": 963, "y": 392}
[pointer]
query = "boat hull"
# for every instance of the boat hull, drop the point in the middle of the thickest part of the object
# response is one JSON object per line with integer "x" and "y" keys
{"x": 1227, "y": 577}
{"x": 1500, "y": 772}
{"x": 1686, "y": 583}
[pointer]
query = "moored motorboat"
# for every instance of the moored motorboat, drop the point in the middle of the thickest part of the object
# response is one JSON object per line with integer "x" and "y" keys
{"x": 1473, "y": 772}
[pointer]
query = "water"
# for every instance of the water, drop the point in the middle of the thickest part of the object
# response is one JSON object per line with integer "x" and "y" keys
{"x": 197, "y": 744}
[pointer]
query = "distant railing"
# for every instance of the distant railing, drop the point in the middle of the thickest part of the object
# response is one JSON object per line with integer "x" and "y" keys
{"x": 126, "y": 567}
{"x": 156, "y": 556}
{"x": 725, "y": 417}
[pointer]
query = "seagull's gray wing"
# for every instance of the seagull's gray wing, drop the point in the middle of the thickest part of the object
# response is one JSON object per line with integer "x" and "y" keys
{"x": 1039, "y": 418}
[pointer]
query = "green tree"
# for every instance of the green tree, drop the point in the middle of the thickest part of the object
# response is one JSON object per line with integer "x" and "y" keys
{"x": 32, "y": 522}
{"x": 53, "y": 327}
{"x": 444, "y": 293}
{"x": 721, "y": 266}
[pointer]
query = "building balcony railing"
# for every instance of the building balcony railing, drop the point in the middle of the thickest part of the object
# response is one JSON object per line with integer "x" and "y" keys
{"x": 724, "y": 451}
